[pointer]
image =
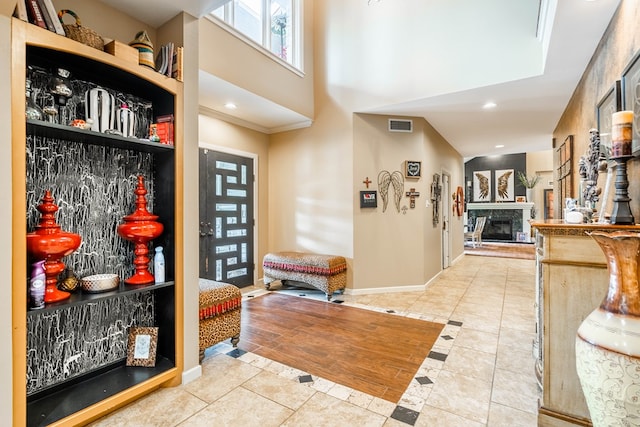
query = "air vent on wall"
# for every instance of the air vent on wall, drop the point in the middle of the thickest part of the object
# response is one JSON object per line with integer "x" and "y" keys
{"x": 397, "y": 125}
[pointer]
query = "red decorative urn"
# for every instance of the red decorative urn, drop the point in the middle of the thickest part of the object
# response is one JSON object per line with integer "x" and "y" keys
{"x": 49, "y": 243}
{"x": 140, "y": 227}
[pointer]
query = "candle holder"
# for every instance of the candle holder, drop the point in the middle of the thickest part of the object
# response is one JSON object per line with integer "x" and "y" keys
{"x": 49, "y": 243}
{"x": 621, "y": 137}
{"x": 140, "y": 227}
{"x": 621, "y": 213}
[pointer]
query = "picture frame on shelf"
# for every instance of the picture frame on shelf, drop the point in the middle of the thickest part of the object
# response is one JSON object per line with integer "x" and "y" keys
{"x": 369, "y": 199}
{"x": 630, "y": 99}
{"x": 610, "y": 103}
{"x": 505, "y": 185}
{"x": 141, "y": 346}
{"x": 482, "y": 186}
{"x": 412, "y": 169}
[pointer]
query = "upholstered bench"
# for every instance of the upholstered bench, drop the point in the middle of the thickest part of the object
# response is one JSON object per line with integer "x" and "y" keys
{"x": 220, "y": 305}
{"x": 327, "y": 273}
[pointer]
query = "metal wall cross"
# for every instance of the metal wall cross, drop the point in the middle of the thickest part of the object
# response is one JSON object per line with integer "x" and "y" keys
{"x": 412, "y": 194}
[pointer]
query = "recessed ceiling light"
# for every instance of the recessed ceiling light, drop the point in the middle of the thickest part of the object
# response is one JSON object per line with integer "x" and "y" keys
{"x": 230, "y": 106}
{"x": 500, "y": 146}
{"x": 489, "y": 105}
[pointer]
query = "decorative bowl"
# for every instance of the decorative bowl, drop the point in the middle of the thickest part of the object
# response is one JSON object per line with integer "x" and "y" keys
{"x": 100, "y": 283}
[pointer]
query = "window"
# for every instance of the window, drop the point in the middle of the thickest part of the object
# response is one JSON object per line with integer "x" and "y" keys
{"x": 272, "y": 24}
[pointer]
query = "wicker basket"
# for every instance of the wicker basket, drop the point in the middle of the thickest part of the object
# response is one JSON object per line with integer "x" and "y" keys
{"x": 79, "y": 33}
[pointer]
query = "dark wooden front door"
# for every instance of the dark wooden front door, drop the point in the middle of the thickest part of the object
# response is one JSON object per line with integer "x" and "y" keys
{"x": 226, "y": 217}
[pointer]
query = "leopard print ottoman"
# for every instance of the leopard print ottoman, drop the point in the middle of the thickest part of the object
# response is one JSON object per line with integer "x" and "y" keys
{"x": 327, "y": 273}
{"x": 220, "y": 308}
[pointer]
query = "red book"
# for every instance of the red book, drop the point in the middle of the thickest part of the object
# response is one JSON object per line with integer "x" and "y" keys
{"x": 35, "y": 14}
{"x": 165, "y": 132}
{"x": 165, "y": 118}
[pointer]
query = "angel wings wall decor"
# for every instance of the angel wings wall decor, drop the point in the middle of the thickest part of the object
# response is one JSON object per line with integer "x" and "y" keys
{"x": 482, "y": 186}
{"x": 395, "y": 179}
{"x": 505, "y": 185}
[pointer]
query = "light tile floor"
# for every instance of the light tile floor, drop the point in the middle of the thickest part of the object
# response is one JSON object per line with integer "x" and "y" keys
{"x": 480, "y": 371}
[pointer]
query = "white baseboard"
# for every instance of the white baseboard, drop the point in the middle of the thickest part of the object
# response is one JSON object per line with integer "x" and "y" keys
{"x": 458, "y": 258}
{"x": 391, "y": 289}
{"x": 192, "y": 374}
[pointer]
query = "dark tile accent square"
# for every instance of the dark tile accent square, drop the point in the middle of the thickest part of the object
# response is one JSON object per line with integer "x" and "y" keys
{"x": 236, "y": 352}
{"x": 391, "y": 311}
{"x": 447, "y": 337}
{"x": 437, "y": 356}
{"x": 454, "y": 323}
{"x": 405, "y": 415}
{"x": 305, "y": 378}
{"x": 337, "y": 301}
{"x": 424, "y": 380}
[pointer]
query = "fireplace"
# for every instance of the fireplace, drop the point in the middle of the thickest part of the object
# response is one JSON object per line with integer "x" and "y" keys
{"x": 498, "y": 229}
{"x": 505, "y": 221}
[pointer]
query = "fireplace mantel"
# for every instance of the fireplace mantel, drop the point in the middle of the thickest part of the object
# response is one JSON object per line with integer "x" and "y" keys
{"x": 524, "y": 207}
{"x": 502, "y": 205}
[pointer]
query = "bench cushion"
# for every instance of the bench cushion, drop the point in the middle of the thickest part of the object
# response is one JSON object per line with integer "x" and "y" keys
{"x": 217, "y": 298}
{"x": 300, "y": 262}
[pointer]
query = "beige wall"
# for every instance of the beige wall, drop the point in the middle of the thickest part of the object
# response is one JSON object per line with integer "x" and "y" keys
{"x": 222, "y": 136}
{"x": 617, "y": 47}
{"x": 395, "y": 249}
{"x": 110, "y": 23}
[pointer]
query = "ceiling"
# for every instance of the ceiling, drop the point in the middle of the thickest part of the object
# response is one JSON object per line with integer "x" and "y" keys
{"x": 529, "y": 105}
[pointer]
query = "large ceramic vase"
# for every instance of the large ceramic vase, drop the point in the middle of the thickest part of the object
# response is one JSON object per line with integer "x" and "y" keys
{"x": 608, "y": 340}
{"x": 49, "y": 243}
{"x": 140, "y": 227}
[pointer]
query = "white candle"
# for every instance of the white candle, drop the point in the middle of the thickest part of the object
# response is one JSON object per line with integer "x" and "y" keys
{"x": 621, "y": 133}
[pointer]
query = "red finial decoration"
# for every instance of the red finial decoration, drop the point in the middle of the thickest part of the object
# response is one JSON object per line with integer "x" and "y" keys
{"x": 49, "y": 243}
{"x": 140, "y": 227}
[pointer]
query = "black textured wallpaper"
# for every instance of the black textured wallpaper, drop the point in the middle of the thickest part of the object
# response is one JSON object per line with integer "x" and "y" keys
{"x": 74, "y": 340}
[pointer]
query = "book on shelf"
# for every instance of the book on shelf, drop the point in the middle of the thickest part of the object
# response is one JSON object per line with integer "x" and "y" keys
{"x": 45, "y": 15}
{"x": 35, "y": 14}
{"x": 177, "y": 64}
{"x": 164, "y": 118}
{"x": 169, "y": 61}
{"x": 164, "y": 130}
{"x": 163, "y": 60}
{"x": 48, "y": 9}
{"x": 21, "y": 11}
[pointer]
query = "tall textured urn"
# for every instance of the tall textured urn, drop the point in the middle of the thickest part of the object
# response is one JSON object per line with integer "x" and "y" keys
{"x": 140, "y": 227}
{"x": 608, "y": 340}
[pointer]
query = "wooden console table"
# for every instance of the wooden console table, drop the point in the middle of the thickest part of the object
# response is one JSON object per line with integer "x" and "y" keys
{"x": 571, "y": 281}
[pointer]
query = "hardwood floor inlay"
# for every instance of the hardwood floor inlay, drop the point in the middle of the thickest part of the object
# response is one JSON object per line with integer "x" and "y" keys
{"x": 372, "y": 352}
